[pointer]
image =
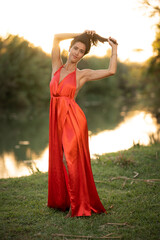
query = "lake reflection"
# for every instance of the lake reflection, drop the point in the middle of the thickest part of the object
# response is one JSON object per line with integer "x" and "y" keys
{"x": 10, "y": 167}
{"x": 136, "y": 129}
{"x": 25, "y": 149}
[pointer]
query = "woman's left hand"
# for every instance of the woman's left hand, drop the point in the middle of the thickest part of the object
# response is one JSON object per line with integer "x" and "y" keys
{"x": 112, "y": 42}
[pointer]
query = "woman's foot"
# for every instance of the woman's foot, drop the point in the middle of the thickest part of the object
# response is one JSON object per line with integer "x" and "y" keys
{"x": 69, "y": 213}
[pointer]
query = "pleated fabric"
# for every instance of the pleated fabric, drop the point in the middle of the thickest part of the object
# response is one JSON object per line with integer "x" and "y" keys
{"x": 68, "y": 133}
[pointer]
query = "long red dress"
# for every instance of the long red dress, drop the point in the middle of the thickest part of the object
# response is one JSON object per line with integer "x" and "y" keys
{"x": 68, "y": 133}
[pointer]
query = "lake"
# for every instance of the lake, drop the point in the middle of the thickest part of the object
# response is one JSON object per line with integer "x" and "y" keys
{"x": 24, "y": 136}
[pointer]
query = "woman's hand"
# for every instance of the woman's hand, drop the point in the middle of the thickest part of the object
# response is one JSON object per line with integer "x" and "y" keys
{"x": 90, "y": 32}
{"x": 112, "y": 42}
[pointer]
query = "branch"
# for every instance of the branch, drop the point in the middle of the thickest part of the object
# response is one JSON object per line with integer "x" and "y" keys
{"x": 126, "y": 178}
{"x": 136, "y": 174}
{"x": 133, "y": 179}
{"x": 87, "y": 237}
{"x": 118, "y": 224}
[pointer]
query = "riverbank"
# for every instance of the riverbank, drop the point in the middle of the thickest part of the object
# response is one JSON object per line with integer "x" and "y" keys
{"x": 128, "y": 184}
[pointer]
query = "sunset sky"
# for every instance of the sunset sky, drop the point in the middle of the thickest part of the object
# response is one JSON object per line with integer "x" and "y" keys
{"x": 38, "y": 21}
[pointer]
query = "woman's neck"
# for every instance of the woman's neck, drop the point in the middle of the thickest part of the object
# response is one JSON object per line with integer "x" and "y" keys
{"x": 70, "y": 66}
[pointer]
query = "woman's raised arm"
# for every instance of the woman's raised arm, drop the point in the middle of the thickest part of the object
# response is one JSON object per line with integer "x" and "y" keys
{"x": 56, "y": 58}
{"x": 91, "y": 75}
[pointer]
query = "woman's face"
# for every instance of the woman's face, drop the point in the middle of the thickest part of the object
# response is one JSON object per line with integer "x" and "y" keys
{"x": 77, "y": 51}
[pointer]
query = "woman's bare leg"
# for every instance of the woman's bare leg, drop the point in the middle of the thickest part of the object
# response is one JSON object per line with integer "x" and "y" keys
{"x": 65, "y": 162}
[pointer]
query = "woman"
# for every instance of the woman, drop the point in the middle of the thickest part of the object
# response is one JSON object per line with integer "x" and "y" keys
{"x": 70, "y": 179}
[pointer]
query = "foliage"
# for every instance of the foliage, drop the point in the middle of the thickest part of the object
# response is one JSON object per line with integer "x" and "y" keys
{"x": 152, "y": 6}
{"x": 151, "y": 76}
{"x": 24, "y": 73}
{"x": 124, "y": 160}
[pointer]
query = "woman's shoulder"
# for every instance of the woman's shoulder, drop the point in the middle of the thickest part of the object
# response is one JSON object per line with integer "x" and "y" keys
{"x": 56, "y": 68}
{"x": 81, "y": 77}
{"x": 81, "y": 71}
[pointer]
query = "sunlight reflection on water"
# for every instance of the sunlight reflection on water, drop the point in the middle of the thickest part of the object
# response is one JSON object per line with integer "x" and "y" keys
{"x": 136, "y": 128}
{"x": 9, "y": 167}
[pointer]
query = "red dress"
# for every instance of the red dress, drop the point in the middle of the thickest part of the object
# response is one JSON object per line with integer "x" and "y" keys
{"x": 68, "y": 132}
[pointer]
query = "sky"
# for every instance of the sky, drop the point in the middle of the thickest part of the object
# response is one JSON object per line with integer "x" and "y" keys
{"x": 38, "y": 21}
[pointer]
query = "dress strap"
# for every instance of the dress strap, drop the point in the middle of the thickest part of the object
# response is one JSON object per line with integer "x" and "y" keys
{"x": 59, "y": 69}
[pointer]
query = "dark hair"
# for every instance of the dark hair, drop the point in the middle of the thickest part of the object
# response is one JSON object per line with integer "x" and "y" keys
{"x": 88, "y": 40}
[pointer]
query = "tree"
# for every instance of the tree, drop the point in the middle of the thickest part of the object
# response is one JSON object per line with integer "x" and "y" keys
{"x": 151, "y": 81}
{"x": 24, "y": 73}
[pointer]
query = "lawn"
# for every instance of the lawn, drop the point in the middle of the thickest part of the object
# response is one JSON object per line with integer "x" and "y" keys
{"x": 128, "y": 184}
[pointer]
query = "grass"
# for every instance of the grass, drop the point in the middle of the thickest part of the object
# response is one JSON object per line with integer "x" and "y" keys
{"x": 125, "y": 188}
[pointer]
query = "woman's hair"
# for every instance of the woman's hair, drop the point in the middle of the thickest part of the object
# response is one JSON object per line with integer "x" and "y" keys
{"x": 88, "y": 40}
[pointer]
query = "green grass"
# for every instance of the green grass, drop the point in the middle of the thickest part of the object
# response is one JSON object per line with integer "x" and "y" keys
{"x": 134, "y": 204}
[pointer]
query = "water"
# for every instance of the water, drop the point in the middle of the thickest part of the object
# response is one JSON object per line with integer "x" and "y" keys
{"x": 24, "y": 137}
{"x": 136, "y": 128}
